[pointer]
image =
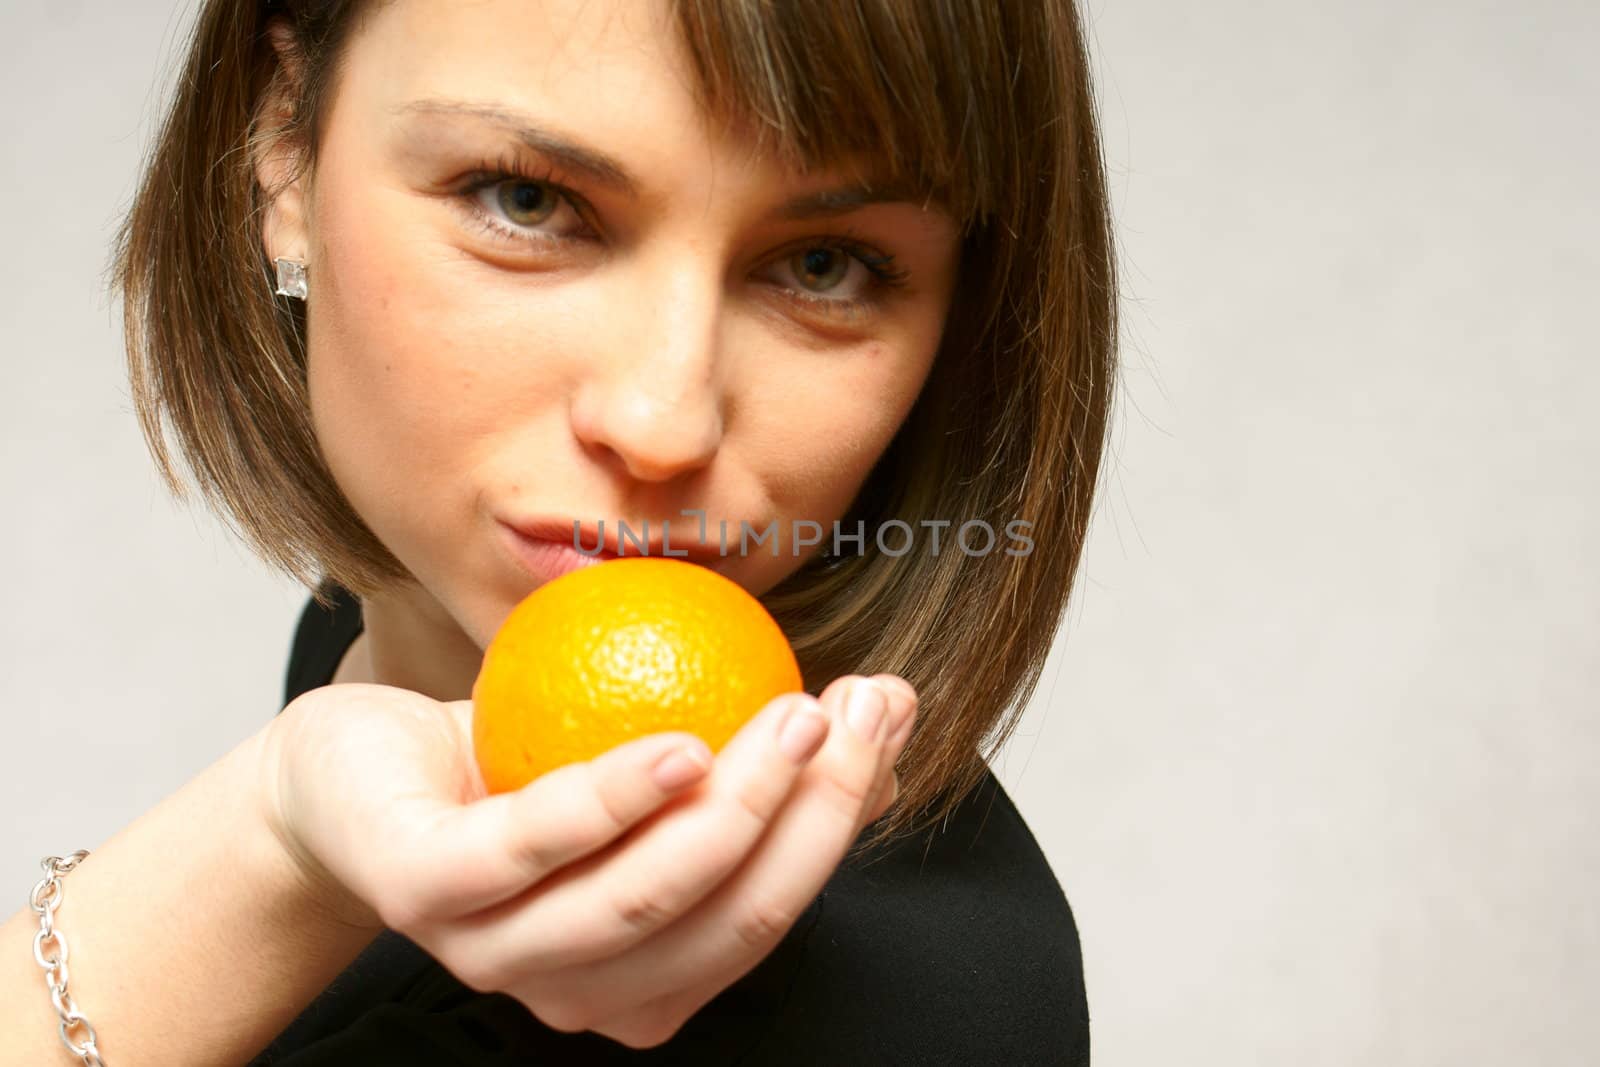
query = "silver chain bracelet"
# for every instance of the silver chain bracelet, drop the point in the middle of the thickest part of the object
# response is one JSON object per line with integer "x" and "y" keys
{"x": 45, "y": 899}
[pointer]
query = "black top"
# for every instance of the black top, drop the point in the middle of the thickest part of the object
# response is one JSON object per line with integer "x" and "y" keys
{"x": 956, "y": 947}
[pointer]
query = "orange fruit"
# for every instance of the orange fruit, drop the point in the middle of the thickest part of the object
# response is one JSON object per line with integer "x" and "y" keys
{"x": 617, "y": 650}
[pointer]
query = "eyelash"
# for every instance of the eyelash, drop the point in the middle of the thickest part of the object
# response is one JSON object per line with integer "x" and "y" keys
{"x": 886, "y": 276}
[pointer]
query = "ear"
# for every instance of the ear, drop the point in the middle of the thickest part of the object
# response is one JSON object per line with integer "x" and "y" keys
{"x": 277, "y": 157}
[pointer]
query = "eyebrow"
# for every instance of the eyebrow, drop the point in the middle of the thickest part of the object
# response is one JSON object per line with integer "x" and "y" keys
{"x": 607, "y": 171}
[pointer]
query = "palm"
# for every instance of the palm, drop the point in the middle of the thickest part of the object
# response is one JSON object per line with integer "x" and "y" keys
{"x": 380, "y": 760}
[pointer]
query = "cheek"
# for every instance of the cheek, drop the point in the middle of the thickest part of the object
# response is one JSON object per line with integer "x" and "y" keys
{"x": 837, "y": 421}
{"x": 834, "y": 423}
{"x": 406, "y": 377}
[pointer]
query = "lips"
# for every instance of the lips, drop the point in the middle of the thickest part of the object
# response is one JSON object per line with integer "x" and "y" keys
{"x": 545, "y": 560}
{"x": 679, "y": 537}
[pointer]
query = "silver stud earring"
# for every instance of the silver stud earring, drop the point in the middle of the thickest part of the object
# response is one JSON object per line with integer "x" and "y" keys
{"x": 292, "y": 278}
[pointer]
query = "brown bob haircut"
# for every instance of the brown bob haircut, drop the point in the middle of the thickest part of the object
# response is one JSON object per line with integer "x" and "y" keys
{"x": 986, "y": 106}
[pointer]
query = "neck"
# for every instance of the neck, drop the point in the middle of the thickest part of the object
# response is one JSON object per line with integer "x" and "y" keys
{"x": 411, "y": 642}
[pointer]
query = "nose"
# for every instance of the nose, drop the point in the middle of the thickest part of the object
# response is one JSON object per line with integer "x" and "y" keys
{"x": 654, "y": 401}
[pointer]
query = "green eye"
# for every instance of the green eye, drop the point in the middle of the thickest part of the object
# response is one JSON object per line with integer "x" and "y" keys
{"x": 821, "y": 268}
{"x": 527, "y": 203}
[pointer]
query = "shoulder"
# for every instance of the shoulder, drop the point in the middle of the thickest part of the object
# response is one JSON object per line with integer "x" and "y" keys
{"x": 956, "y": 946}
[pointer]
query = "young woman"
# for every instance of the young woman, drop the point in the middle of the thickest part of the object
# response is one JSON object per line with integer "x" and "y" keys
{"x": 414, "y": 284}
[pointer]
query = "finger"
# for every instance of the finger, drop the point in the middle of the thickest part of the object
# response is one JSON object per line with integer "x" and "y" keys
{"x": 666, "y": 1015}
{"x": 902, "y": 703}
{"x": 901, "y": 718}
{"x": 658, "y": 1019}
{"x": 902, "y": 713}
{"x": 884, "y": 791}
{"x": 882, "y": 800}
{"x": 651, "y": 1024}
{"x": 608, "y": 902}
{"x": 461, "y": 859}
{"x": 902, "y": 698}
{"x": 738, "y": 924}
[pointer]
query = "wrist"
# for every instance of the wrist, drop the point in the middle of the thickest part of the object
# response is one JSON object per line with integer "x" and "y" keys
{"x": 202, "y": 868}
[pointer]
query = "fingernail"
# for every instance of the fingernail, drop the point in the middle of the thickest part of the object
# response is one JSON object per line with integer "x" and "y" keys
{"x": 894, "y": 681}
{"x": 804, "y": 726}
{"x": 902, "y": 702}
{"x": 899, "y": 715}
{"x": 864, "y": 709}
{"x": 900, "y": 731}
{"x": 680, "y": 767}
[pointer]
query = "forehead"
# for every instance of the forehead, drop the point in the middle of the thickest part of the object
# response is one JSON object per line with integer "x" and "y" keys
{"x": 613, "y": 69}
{"x": 605, "y": 86}
{"x": 550, "y": 47}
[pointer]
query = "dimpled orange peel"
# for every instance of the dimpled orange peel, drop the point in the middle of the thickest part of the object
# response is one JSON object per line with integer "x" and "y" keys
{"x": 617, "y": 650}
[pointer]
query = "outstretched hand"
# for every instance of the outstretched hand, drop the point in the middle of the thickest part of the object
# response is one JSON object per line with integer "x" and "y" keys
{"x": 618, "y": 894}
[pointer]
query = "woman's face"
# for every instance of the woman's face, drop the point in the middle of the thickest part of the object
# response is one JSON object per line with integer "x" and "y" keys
{"x": 634, "y": 319}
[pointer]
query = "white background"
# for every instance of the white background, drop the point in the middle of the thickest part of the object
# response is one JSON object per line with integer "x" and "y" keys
{"x": 1315, "y": 759}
